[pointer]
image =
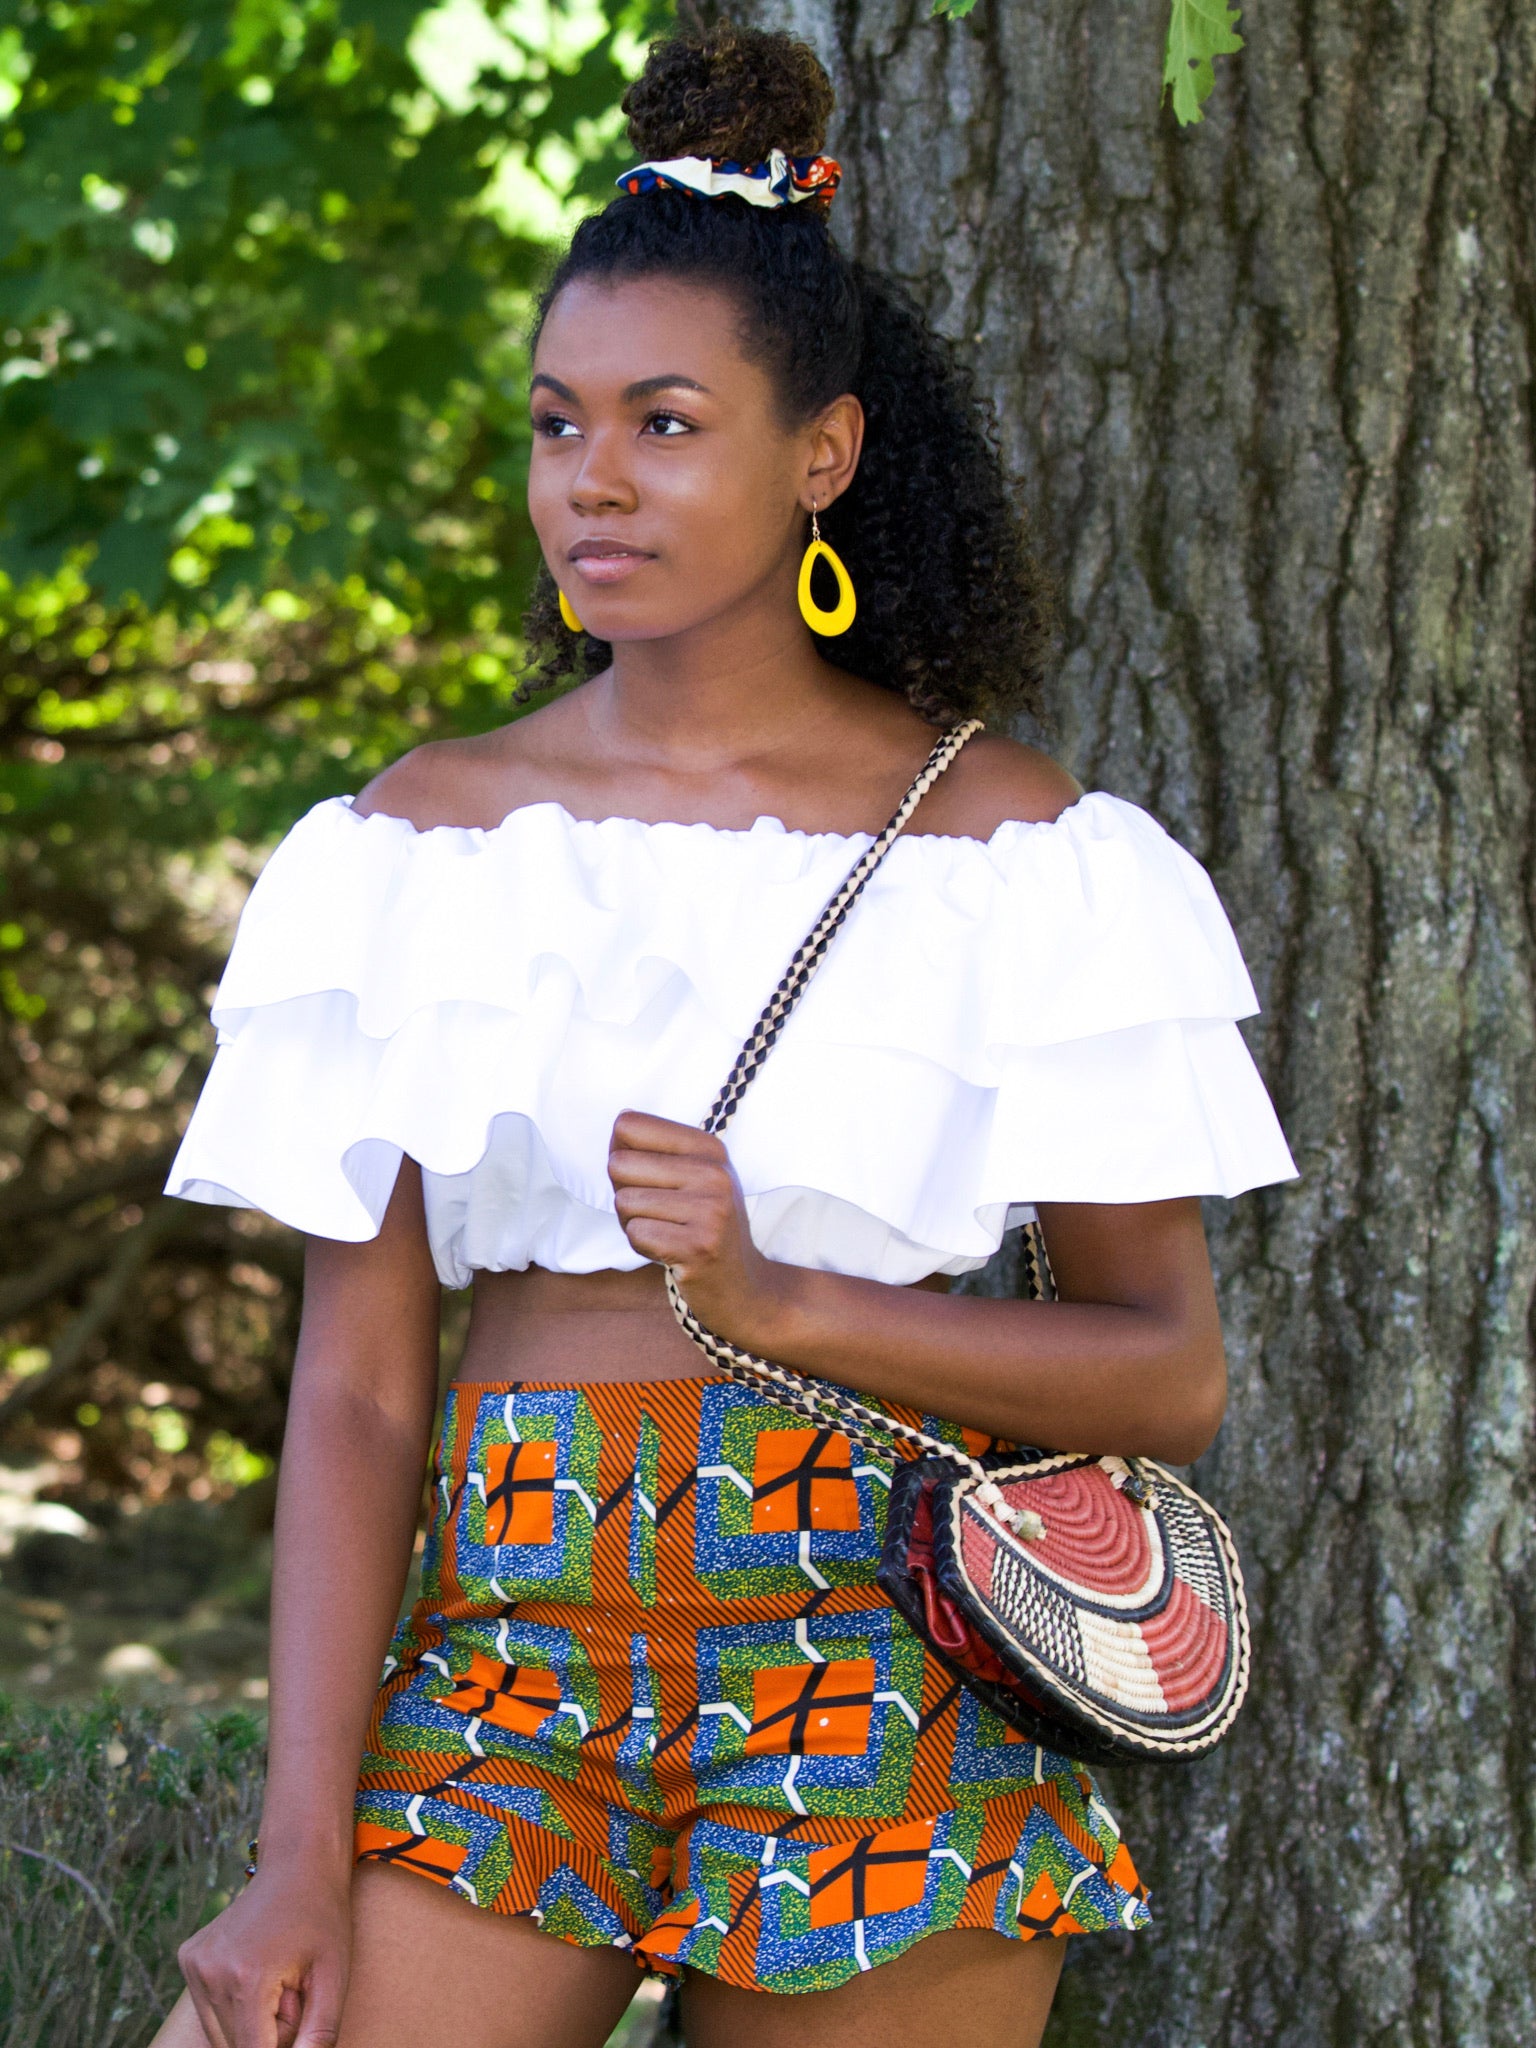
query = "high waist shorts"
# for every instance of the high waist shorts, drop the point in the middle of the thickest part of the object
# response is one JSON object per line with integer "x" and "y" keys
{"x": 652, "y": 1697}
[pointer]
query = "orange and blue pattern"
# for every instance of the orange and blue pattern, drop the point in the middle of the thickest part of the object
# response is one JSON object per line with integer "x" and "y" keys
{"x": 652, "y": 1696}
{"x": 779, "y": 180}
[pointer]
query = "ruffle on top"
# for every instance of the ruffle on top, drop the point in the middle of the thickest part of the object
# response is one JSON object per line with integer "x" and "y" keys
{"x": 1047, "y": 1015}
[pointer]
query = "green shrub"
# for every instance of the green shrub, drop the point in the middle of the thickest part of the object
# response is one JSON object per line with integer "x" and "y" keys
{"x": 114, "y": 1845}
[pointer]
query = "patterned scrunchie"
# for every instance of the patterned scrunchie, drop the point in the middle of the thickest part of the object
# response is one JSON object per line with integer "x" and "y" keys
{"x": 780, "y": 181}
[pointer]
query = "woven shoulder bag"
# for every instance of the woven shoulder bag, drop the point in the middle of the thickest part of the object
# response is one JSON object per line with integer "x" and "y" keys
{"x": 1094, "y": 1603}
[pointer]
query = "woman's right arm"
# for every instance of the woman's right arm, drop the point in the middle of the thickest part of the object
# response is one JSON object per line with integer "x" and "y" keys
{"x": 354, "y": 1455}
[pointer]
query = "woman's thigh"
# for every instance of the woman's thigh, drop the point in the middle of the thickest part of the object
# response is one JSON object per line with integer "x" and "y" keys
{"x": 426, "y": 1966}
{"x": 429, "y": 1967}
{"x": 965, "y": 1982}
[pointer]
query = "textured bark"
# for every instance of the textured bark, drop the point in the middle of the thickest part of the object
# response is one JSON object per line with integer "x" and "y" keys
{"x": 1268, "y": 387}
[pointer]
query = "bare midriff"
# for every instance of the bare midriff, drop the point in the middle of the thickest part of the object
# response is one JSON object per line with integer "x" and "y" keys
{"x": 575, "y": 1327}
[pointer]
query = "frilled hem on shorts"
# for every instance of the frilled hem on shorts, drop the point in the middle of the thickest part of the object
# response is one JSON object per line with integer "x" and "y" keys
{"x": 584, "y": 1900}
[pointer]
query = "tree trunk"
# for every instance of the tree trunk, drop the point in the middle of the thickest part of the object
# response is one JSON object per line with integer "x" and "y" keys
{"x": 1268, "y": 388}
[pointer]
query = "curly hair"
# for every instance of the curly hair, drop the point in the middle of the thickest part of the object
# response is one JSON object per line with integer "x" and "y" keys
{"x": 952, "y": 606}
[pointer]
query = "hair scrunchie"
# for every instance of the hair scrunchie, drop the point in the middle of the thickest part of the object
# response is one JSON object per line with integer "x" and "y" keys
{"x": 778, "y": 181}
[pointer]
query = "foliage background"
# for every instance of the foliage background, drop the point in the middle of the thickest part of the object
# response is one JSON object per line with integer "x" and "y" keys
{"x": 264, "y": 272}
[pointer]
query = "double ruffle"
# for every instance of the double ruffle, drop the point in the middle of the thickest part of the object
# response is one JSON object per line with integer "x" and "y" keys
{"x": 1049, "y": 1015}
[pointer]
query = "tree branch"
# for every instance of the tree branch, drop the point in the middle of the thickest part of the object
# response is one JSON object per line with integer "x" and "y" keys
{"x": 88, "y": 915}
{"x": 257, "y": 707}
{"x": 102, "y": 1908}
{"x": 20, "y": 1201}
{"x": 69, "y": 1261}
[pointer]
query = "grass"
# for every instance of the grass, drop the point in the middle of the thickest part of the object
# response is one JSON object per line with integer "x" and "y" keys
{"x": 114, "y": 1845}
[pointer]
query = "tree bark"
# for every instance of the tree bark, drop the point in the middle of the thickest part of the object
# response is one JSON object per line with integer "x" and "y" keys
{"x": 1267, "y": 386}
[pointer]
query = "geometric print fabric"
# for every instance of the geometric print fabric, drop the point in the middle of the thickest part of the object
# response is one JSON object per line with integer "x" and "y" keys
{"x": 652, "y": 1696}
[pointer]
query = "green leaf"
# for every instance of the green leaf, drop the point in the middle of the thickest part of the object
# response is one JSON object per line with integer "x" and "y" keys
{"x": 1198, "y": 30}
{"x": 258, "y": 299}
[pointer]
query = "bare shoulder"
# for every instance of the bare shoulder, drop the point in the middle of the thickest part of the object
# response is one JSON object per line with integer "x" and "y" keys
{"x": 473, "y": 781}
{"x": 994, "y": 781}
{"x": 426, "y": 787}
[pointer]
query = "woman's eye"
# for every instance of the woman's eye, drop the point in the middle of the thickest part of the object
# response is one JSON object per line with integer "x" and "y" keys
{"x": 667, "y": 424}
{"x": 554, "y": 426}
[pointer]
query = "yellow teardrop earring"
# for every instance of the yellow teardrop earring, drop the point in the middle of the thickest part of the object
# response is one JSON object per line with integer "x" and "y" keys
{"x": 569, "y": 616}
{"x": 841, "y": 617}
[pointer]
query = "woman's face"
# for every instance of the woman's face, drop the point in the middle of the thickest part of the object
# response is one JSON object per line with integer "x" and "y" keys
{"x": 664, "y": 487}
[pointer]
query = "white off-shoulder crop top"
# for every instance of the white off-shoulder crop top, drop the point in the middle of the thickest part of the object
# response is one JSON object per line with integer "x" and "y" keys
{"x": 1046, "y": 1015}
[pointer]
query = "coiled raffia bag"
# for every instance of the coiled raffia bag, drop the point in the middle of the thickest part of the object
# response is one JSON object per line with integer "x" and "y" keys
{"x": 1095, "y": 1604}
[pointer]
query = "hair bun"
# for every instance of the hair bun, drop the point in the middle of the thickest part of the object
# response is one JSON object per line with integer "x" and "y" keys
{"x": 729, "y": 92}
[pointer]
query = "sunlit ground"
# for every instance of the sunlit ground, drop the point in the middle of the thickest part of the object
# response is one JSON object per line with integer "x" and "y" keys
{"x": 167, "y": 1606}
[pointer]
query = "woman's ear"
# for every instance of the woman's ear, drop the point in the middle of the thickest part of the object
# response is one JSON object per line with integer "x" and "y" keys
{"x": 834, "y": 443}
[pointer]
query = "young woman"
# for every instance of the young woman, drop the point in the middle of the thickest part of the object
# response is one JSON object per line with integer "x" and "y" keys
{"x": 652, "y": 1707}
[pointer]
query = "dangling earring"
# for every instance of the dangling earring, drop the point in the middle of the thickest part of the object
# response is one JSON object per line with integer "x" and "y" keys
{"x": 569, "y": 616}
{"x": 840, "y": 618}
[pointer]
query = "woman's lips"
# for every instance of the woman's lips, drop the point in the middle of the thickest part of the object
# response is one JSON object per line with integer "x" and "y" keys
{"x": 606, "y": 562}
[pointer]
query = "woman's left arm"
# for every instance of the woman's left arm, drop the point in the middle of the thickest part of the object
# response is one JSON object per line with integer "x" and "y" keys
{"x": 1128, "y": 1359}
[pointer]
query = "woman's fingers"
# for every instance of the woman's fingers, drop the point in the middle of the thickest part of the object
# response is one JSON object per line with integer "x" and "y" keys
{"x": 238, "y": 2013}
{"x": 271, "y": 1970}
{"x": 238, "y": 2009}
{"x": 321, "y": 2027}
{"x": 276, "y": 2015}
{"x": 679, "y": 1227}
{"x": 628, "y": 1168}
{"x": 215, "y": 1994}
{"x": 253, "y": 2023}
{"x": 637, "y": 1130}
{"x": 669, "y": 1244}
{"x": 677, "y": 1198}
{"x": 291, "y": 2009}
{"x": 207, "y": 2014}
{"x": 659, "y": 1205}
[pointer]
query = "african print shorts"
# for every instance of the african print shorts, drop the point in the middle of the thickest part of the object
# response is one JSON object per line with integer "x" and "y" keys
{"x": 652, "y": 1696}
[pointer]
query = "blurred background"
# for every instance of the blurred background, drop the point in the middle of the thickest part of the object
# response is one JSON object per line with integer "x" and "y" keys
{"x": 264, "y": 272}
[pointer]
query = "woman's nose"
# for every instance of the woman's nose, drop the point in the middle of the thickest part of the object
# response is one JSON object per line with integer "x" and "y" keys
{"x": 602, "y": 482}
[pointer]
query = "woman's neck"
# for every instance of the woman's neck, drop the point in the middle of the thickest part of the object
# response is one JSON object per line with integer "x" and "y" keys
{"x": 727, "y": 691}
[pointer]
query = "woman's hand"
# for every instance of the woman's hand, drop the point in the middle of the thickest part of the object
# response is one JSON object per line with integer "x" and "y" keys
{"x": 271, "y": 1971}
{"x": 1128, "y": 1358}
{"x": 680, "y": 1203}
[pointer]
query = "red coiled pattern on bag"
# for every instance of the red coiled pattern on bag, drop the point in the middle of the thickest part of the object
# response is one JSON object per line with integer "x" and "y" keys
{"x": 1094, "y": 1537}
{"x": 1188, "y": 1647}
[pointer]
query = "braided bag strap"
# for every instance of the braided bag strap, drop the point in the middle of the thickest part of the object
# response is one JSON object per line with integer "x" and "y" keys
{"x": 819, "y": 1400}
{"x": 809, "y": 955}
